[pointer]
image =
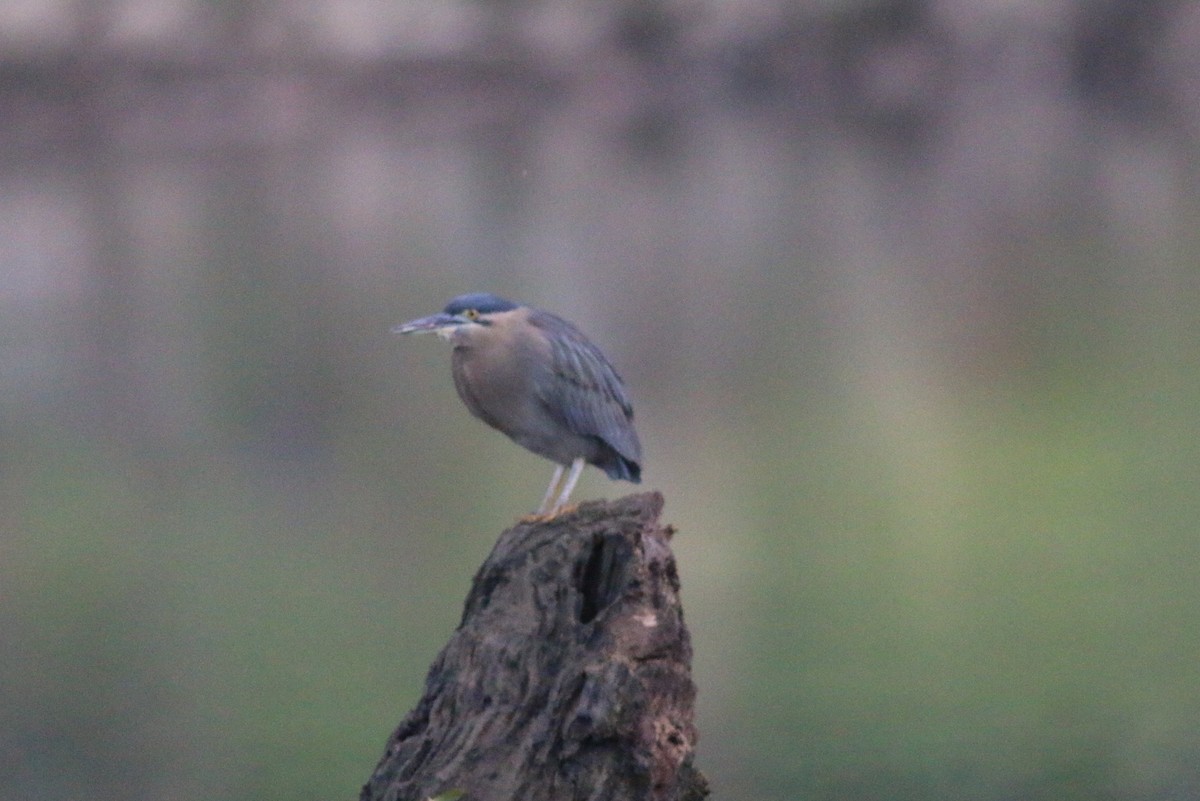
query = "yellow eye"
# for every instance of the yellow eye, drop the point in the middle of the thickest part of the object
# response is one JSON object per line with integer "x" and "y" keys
{"x": 471, "y": 314}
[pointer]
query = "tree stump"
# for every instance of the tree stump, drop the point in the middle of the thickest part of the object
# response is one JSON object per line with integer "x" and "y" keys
{"x": 569, "y": 677}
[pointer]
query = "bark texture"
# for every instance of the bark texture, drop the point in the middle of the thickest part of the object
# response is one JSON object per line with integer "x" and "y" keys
{"x": 569, "y": 677}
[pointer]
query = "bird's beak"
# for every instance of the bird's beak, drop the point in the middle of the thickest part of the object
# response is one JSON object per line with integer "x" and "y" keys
{"x": 433, "y": 324}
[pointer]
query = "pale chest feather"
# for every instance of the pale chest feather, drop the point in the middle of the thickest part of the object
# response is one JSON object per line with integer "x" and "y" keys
{"x": 495, "y": 383}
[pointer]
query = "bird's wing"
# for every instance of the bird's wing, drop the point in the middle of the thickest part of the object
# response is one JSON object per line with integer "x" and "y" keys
{"x": 583, "y": 390}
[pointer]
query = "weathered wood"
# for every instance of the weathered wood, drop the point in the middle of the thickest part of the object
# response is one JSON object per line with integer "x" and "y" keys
{"x": 569, "y": 677}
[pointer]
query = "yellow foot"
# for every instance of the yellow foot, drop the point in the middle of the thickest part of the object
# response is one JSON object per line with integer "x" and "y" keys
{"x": 545, "y": 517}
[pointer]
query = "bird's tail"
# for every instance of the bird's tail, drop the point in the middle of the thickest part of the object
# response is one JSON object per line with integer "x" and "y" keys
{"x": 618, "y": 467}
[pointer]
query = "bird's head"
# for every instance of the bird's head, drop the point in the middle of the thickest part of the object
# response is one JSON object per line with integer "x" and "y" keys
{"x": 461, "y": 315}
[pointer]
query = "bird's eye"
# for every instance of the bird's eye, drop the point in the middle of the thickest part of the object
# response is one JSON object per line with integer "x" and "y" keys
{"x": 471, "y": 314}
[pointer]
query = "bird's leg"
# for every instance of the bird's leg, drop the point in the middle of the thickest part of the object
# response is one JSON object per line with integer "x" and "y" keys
{"x": 546, "y": 501}
{"x": 568, "y": 485}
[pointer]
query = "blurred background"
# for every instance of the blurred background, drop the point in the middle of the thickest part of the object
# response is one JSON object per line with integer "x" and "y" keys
{"x": 905, "y": 292}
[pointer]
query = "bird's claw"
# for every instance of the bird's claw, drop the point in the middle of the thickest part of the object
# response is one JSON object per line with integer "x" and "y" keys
{"x": 546, "y": 517}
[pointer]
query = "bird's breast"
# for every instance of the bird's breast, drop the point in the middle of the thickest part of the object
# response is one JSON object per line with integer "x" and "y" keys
{"x": 495, "y": 386}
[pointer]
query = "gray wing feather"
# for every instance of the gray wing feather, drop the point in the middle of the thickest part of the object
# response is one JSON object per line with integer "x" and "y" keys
{"x": 583, "y": 390}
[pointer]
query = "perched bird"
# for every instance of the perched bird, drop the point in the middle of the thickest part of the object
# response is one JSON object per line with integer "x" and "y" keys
{"x": 535, "y": 377}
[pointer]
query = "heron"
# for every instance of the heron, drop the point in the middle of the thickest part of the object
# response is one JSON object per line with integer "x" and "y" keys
{"x": 536, "y": 378}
